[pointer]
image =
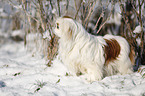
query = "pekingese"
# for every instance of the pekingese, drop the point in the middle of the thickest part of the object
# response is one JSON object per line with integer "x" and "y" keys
{"x": 94, "y": 56}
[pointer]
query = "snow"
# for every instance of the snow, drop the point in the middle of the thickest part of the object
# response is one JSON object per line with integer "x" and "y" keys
{"x": 24, "y": 75}
{"x": 137, "y": 29}
{"x": 46, "y": 34}
{"x": 17, "y": 33}
{"x": 116, "y": 19}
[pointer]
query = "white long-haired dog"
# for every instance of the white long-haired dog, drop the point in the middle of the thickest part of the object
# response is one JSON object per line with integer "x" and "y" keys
{"x": 94, "y": 56}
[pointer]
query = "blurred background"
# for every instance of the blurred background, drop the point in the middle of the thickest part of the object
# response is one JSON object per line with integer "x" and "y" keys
{"x": 32, "y": 22}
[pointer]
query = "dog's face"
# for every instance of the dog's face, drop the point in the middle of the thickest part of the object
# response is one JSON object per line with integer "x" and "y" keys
{"x": 64, "y": 27}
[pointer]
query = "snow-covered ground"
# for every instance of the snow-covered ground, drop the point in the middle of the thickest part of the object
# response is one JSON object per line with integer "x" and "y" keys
{"x": 24, "y": 75}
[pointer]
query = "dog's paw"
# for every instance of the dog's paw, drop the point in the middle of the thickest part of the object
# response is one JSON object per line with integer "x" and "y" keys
{"x": 92, "y": 78}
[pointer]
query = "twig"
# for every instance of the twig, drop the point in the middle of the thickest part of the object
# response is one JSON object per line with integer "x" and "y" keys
{"x": 98, "y": 20}
{"x": 142, "y": 33}
{"x": 103, "y": 24}
{"x": 140, "y": 22}
{"x": 78, "y": 9}
{"x": 101, "y": 15}
{"x": 58, "y": 6}
{"x": 84, "y": 13}
{"x": 67, "y": 4}
{"x": 50, "y": 30}
{"x": 140, "y": 14}
{"x": 142, "y": 2}
{"x": 90, "y": 11}
{"x": 35, "y": 3}
{"x": 125, "y": 18}
{"x": 134, "y": 8}
{"x": 28, "y": 15}
{"x": 41, "y": 12}
{"x": 89, "y": 14}
{"x": 51, "y": 4}
{"x": 106, "y": 19}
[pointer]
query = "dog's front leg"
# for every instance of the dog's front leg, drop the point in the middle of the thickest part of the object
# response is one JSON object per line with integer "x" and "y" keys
{"x": 94, "y": 72}
{"x": 73, "y": 69}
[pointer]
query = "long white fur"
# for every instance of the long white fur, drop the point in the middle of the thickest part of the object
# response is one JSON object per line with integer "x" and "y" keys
{"x": 82, "y": 52}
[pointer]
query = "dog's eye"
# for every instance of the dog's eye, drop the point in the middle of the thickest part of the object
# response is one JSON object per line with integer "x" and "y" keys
{"x": 57, "y": 25}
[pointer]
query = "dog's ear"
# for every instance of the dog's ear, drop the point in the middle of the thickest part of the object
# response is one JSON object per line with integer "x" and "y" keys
{"x": 69, "y": 35}
{"x": 67, "y": 30}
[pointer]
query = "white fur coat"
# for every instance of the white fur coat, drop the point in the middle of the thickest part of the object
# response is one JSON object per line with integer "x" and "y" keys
{"x": 85, "y": 53}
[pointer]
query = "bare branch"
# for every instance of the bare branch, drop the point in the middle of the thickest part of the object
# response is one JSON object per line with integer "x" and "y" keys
{"x": 84, "y": 13}
{"x": 41, "y": 13}
{"x": 142, "y": 2}
{"x": 139, "y": 19}
{"x": 101, "y": 15}
{"x": 58, "y": 6}
{"x": 67, "y": 4}
{"x": 134, "y": 8}
{"x": 89, "y": 14}
{"x": 142, "y": 33}
{"x": 51, "y": 4}
{"x": 125, "y": 18}
{"x": 78, "y": 9}
{"x": 98, "y": 20}
{"x": 106, "y": 20}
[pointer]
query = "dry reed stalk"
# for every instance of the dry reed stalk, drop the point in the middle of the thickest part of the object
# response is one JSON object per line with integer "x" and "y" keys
{"x": 78, "y": 8}
{"x": 101, "y": 15}
{"x": 52, "y": 49}
{"x": 140, "y": 22}
{"x": 51, "y": 4}
{"x": 139, "y": 15}
{"x": 51, "y": 45}
{"x": 125, "y": 18}
{"x": 84, "y": 13}
{"x": 41, "y": 13}
{"x": 86, "y": 21}
{"x": 58, "y": 6}
{"x": 106, "y": 19}
{"x": 98, "y": 20}
{"x": 133, "y": 43}
{"x": 67, "y": 4}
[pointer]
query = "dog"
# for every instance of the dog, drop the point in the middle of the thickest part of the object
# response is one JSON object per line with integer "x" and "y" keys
{"x": 93, "y": 56}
